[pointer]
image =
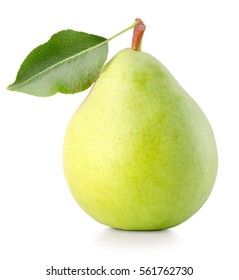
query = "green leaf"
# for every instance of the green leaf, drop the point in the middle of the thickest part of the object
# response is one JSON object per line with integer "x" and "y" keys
{"x": 69, "y": 62}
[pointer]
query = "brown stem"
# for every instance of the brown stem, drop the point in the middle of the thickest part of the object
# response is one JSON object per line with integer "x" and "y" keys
{"x": 138, "y": 35}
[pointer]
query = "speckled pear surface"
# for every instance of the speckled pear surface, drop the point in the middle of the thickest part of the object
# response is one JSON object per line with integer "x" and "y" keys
{"x": 139, "y": 153}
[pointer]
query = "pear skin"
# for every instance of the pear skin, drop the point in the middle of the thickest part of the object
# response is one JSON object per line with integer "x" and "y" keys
{"x": 139, "y": 153}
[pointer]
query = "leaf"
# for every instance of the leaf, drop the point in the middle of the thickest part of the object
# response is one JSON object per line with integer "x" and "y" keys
{"x": 69, "y": 62}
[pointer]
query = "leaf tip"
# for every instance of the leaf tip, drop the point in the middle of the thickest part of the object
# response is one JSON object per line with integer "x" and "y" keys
{"x": 10, "y": 87}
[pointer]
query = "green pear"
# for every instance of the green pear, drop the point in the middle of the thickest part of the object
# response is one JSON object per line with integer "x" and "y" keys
{"x": 139, "y": 153}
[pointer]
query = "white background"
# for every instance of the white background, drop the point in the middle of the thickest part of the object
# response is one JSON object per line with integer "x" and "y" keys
{"x": 41, "y": 225}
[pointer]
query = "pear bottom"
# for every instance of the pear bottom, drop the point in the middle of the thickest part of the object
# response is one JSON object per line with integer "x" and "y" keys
{"x": 139, "y": 153}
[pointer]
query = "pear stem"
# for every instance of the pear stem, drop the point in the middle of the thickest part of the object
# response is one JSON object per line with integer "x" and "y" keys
{"x": 138, "y": 35}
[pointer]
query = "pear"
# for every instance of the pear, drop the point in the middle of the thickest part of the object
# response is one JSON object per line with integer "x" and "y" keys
{"x": 139, "y": 153}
